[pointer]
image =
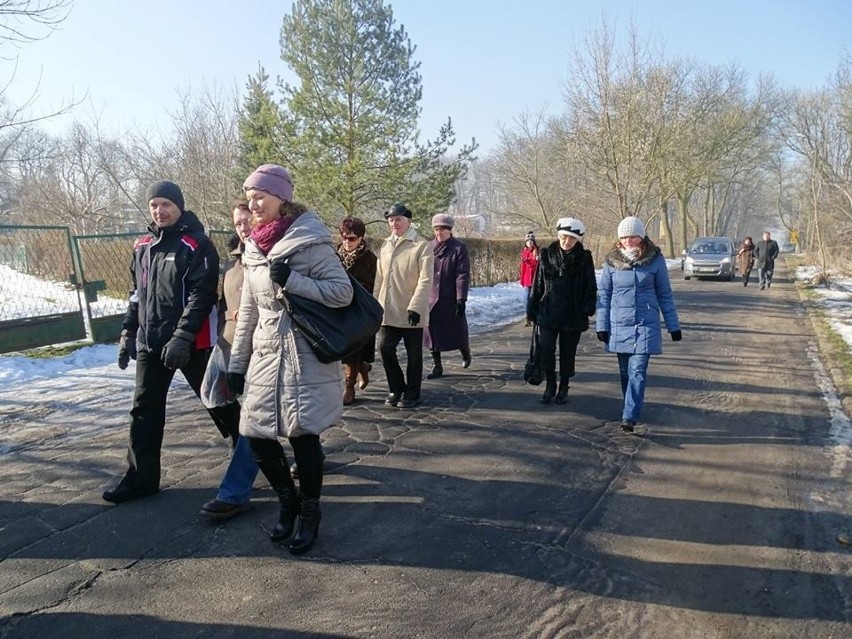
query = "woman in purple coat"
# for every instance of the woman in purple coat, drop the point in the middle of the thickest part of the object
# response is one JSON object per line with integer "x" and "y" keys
{"x": 447, "y": 330}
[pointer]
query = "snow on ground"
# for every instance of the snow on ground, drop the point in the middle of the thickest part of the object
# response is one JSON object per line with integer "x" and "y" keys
{"x": 23, "y": 295}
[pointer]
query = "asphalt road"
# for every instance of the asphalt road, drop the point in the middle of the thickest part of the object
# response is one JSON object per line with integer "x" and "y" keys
{"x": 481, "y": 513}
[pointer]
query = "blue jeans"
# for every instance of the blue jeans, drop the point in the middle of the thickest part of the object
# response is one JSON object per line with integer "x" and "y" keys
{"x": 239, "y": 477}
{"x": 764, "y": 276}
{"x": 633, "y": 369}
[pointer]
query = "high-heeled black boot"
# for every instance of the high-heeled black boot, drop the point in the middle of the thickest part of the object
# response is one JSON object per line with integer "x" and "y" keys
{"x": 562, "y": 393}
{"x": 467, "y": 358}
{"x": 549, "y": 389}
{"x": 308, "y": 454}
{"x": 309, "y": 521}
{"x": 272, "y": 463}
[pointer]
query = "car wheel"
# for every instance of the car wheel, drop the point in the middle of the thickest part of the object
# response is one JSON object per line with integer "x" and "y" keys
{"x": 687, "y": 277}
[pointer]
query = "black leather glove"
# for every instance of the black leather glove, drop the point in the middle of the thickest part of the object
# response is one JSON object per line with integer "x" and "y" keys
{"x": 279, "y": 271}
{"x": 460, "y": 306}
{"x": 176, "y": 353}
{"x": 676, "y": 336}
{"x": 603, "y": 336}
{"x": 126, "y": 349}
{"x": 413, "y": 318}
{"x": 236, "y": 383}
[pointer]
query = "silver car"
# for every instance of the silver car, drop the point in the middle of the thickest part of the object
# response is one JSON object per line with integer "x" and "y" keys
{"x": 710, "y": 257}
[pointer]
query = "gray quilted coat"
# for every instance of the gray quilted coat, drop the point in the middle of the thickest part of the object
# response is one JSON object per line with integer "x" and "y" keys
{"x": 289, "y": 392}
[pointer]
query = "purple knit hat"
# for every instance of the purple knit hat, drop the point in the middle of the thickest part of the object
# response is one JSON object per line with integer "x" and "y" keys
{"x": 272, "y": 179}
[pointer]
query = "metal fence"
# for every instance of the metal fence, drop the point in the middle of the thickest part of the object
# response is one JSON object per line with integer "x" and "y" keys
{"x": 56, "y": 287}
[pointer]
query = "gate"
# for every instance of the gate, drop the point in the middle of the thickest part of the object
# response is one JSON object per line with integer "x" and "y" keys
{"x": 39, "y": 304}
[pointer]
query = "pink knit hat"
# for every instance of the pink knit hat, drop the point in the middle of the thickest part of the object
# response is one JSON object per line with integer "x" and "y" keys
{"x": 272, "y": 179}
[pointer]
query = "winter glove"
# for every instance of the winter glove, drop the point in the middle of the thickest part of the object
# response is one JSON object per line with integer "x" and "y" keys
{"x": 676, "y": 336}
{"x": 603, "y": 336}
{"x": 413, "y": 318}
{"x": 279, "y": 271}
{"x": 176, "y": 353}
{"x": 460, "y": 305}
{"x": 126, "y": 349}
{"x": 236, "y": 383}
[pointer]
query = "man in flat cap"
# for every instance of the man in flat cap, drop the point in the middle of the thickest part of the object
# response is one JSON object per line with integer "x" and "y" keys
{"x": 170, "y": 325}
{"x": 403, "y": 283}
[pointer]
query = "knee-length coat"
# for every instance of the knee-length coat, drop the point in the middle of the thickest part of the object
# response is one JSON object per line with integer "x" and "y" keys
{"x": 289, "y": 392}
{"x": 450, "y": 284}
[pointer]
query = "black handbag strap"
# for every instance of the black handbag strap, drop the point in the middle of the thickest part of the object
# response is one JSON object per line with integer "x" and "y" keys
{"x": 534, "y": 341}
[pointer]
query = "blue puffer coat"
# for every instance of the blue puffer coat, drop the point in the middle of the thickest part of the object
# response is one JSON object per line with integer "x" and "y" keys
{"x": 630, "y": 299}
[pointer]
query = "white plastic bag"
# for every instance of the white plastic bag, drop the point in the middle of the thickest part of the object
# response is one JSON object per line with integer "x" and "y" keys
{"x": 214, "y": 386}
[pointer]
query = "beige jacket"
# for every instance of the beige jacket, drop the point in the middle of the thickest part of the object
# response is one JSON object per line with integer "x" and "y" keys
{"x": 404, "y": 279}
{"x": 289, "y": 392}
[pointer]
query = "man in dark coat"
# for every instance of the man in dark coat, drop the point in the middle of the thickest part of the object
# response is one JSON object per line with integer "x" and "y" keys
{"x": 447, "y": 330}
{"x": 170, "y": 324}
{"x": 765, "y": 253}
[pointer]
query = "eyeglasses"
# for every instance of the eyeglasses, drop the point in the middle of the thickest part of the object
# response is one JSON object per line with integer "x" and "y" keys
{"x": 349, "y": 238}
{"x": 442, "y": 228}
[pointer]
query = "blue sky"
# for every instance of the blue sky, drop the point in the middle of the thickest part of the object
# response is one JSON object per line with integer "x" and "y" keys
{"x": 483, "y": 62}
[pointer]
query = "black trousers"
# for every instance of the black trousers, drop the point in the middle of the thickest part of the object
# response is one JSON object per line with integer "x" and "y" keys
{"x": 389, "y": 338}
{"x": 568, "y": 341}
{"x": 148, "y": 415}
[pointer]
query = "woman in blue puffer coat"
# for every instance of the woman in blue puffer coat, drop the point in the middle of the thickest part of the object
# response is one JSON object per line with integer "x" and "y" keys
{"x": 634, "y": 290}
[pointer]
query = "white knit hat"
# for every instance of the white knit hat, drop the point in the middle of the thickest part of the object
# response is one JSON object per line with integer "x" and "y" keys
{"x": 630, "y": 226}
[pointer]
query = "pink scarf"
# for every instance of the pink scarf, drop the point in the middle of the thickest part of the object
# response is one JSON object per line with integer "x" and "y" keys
{"x": 266, "y": 235}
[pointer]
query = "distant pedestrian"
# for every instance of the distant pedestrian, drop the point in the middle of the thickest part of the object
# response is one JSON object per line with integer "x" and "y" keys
{"x": 234, "y": 495}
{"x": 529, "y": 263}
{"x": 360, "y": 262}
{"x": 447, "y": 329}
{"x": 403, "y": 283}
{"x": 634, "y": 290}
{"x": 562, "y": 300}
{"x": 288, "y": 391}
{"x": 765, "y": 253}
{"x": 746, "y": 258}
{"x": 169, "y": 326}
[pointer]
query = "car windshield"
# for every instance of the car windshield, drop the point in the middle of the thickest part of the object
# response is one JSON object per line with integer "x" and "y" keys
{"x": 710, "y": 248}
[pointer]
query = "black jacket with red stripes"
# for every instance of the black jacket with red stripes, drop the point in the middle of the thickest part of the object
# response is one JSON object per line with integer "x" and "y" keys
{"x": 175, "y": 275}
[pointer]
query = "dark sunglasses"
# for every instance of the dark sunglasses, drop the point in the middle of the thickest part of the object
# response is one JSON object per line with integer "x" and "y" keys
{"x": 349, "y": 238}
{"x": 443, "y": 228}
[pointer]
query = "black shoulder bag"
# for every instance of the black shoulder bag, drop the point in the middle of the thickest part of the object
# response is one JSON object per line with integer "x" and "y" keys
{"x": 335, "y": 333}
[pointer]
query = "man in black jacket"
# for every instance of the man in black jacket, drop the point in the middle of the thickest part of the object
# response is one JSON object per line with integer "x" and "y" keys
{"x": 170, "y": 324}
{"x": 765, "y": 253}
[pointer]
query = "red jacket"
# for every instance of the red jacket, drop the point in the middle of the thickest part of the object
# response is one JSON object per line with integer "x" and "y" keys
{"x": 529, "y": 262}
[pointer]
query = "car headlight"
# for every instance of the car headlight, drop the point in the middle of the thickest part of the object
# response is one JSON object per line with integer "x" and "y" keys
{"x": 689, "y": 260}
{"x": 726, "y": 260}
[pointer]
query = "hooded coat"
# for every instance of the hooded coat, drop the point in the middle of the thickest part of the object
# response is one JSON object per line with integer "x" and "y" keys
{"x": 450, "y": 284}
{"x": 404, "y": 279}
{"x": 631, "y": 297}
{"x": 564, "y": 290}
{"x": 175, "y": 276}
{"x": 289, "y": 392}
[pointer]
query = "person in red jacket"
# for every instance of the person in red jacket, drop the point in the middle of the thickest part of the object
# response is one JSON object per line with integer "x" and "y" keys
{"x": 529, "y": 263}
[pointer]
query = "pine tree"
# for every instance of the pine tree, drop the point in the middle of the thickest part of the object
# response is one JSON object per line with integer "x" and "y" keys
{"x": 350, "y": 123}
{"x": 259, "y": 127}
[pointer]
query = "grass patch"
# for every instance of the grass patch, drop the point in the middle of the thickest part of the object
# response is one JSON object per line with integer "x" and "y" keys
{"x": 58, "y": 350}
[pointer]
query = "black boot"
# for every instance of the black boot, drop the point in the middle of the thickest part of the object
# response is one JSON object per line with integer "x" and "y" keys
{"x": 309, "y": 521}
{"x": 437, "y": 367}
{"x": 549, "y": 389}
{"x": 562, "y": 393}
{"x": 274, "y": 468}
{"x": 466, "y": 357}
